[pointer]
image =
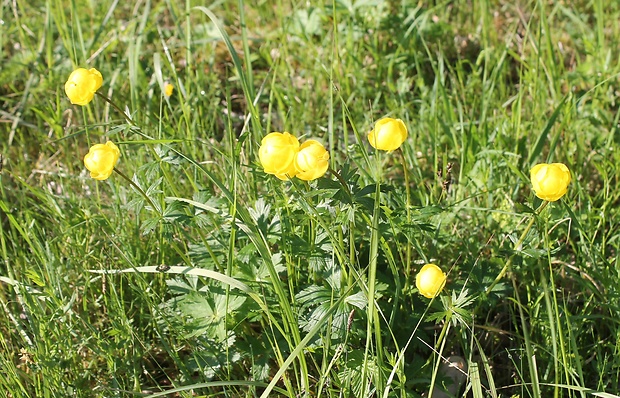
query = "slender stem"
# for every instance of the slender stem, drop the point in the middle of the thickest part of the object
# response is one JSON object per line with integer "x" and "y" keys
{"x": 131, "y": 122}
{"x": 340, "y": 179}
{"x": 139, "y": 189}
{"x": 508, "y": 264}
{"x": 109, "y": 101}
{"x": 348, "y": 275}
{"x": 524, "y": 325}
{"x": 526, "y": 337}
{"x": 442, "y": 342}
{"x": 372, "y": 313}
{"x": 408, "y": 209}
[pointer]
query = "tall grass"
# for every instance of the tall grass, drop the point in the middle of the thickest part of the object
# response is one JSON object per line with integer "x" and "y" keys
{"x": 200, "y": 275}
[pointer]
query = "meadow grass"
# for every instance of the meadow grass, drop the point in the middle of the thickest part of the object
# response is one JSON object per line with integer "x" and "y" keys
{"x": 191, "y": 272}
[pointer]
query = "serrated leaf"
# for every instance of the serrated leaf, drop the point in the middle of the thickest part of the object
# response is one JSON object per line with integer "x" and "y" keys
{"x": 154, "y": 188}
{"x": 351, "y": 374}
{"x": 522, "y": 208}
{"x": 367, "y": 190}
{"x": 333, "y": 274}
{"x": 314, "y": 295}
{"x": 358, "y": 300}
{"x": 260, "y": 211}
{"x": 534, "y": 253}
{"x": 149, "y": 225}
{"x": 179, "y": 286}
{"x": 209, "y": 310}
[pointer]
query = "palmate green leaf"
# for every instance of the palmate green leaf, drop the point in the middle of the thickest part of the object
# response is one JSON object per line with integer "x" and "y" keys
{"x": 366, "y": 191}
{"x": 320, "y": 258}
{"x": 338, "y": 320}
{"x": 334, "y": 188}
{"x": 135, "y": 205}
{"x": 313, "y": 296}
{"x": 253, "y": 268}
{"x": 211, "y": 355}
{"x": 154, "y": 189}
{"x": 204, "y": 319}
{"x": 232, "y": 282}
{"x": 268, "y": 225}
{"x": 210, "y": 310}
{"x": 176, "y": 211}
{"x": 207, "y": 257}
{"x": 307, "y": 22}
{"x": 147, "y": 226}
{"x": 300, "y": 348}
{"x": 166, "y": 155}
{"x": 358, "y": 300}
{"x": 151, "y": 191}
{"x": 333, "y": 275}
{"x": 316, "y": 302}
{"x": 350, "y": 377}
{"x": 171, "y": 214}
{"x": 533, "y": 253}
{"x": 458, "y": 304}
{"x": 180, "y": 286}
{"x": 320, "y": 264}
{"x": 260, "y": 212}
{"x": 211, "y": 304}
{"x": 212, "y": 203}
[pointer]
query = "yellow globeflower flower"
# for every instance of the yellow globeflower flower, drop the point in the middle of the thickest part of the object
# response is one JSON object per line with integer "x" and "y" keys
{"x": 388, "y": 134}
{"x": 311, "y": 161}
{"x": 168, "y": 89}
{"x": 82, "y": 85}
{"x": 101, "y": 159}
{"x": 550, "y": 181}
{"x": 430, "y": 280}
{"x": 277, "y": 154}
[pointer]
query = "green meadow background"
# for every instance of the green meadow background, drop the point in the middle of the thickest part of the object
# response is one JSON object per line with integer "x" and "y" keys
{"x": 227, "y": 282}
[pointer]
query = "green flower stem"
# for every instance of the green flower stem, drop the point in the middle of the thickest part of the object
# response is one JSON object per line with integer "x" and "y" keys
{"x": 109, "y": 101}
{"x": 348, "y": 275}
{"x": 340, "y": 179}
{"x": 508, "y": 264}
{"x": 555, "y": 318}
{"x": 524, "y": 325}
{"x": 136, "y": 186}
{"x": 373, "y": 327}
{"x": 441, "y": 342}
{"x": 528, "y": 343}
{"x": 132, "y": 123}
{"x": 408, "y": 193}
{"x": 554, "y": 322}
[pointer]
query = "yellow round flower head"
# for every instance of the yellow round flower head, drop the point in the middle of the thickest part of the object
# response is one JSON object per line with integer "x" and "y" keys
{"x": 82, "y": 85}
{"x": 168, "y": 89}
{"x": 550, "y": 181}
{"x": 277, "y": 154}
{"x": 388, "y": 134}
{"x": 430, "y": 280}
{"x": 101, "y": 159}
{"x": 311, "y": 161}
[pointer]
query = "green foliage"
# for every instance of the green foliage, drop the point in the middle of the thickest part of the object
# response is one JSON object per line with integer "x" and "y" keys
{"x": 192, "y": 272}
